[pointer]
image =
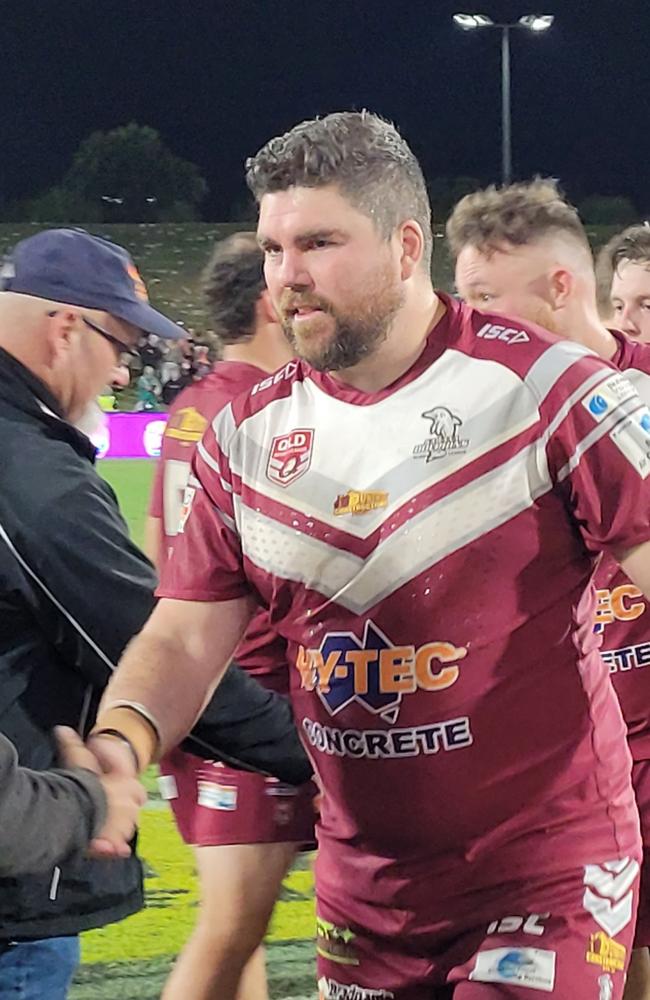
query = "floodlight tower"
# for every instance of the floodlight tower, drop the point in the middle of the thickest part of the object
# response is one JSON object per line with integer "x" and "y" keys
{"x": 538, "y": 24}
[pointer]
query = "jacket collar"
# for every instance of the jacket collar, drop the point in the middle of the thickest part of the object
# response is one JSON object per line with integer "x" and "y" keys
{"x": 25, "y": 391}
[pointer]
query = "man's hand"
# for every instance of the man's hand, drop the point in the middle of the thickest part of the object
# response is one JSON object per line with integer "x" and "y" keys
{"x": 113, "y": 764}
{"x": 113, "y": 755}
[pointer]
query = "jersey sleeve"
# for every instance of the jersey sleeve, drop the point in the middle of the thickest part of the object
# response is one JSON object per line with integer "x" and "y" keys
{"x": 598, "y": 452}
{"x": 205, "y": 562}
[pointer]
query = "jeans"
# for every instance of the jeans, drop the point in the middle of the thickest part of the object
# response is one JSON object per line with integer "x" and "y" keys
{"x": 38, "y": 970}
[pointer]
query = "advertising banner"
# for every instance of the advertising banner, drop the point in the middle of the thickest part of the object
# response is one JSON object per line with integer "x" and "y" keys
{"x": 129, "y": 435}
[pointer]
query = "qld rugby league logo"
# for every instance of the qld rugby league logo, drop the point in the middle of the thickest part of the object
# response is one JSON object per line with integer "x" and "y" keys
{"x": 290, "y": 456}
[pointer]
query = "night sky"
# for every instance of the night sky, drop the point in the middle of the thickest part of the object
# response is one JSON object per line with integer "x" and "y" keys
{"x": 218, "y": 78}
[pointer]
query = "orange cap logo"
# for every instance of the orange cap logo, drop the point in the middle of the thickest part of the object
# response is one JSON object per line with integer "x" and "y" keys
{"x": 138, "y": 284}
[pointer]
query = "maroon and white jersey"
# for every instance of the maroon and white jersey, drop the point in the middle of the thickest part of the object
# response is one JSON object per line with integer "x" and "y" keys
{"x": 426, "y": 552}
{"x": 261, "y": 652}
{"x": 622, "y": 615}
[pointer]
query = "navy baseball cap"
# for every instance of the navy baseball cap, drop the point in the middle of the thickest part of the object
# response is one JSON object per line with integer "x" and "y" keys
{"x": 71, "y": 266}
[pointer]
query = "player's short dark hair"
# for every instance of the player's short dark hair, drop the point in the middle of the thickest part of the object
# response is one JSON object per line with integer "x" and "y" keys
{"x": 518, "y": 214}
{"x": 632, "y": 244}
{"x": 233, "y": 281}
{"x": 363, "y": 155}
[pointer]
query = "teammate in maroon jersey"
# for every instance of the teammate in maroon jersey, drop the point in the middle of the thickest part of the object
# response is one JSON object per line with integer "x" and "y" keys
{"x": 522, "y": 250}
{"x": 246, "y": 828}
{"x": 419, "y": 503}
{"x": 623, "y": 271}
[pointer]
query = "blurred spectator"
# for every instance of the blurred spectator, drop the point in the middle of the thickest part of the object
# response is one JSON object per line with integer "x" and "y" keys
{"x": 149, "y": 389}
{"x": 151, "y": 351}
{"x": 202, "y": 363}
{"x": 158, "y": 372}
{"x": 172, "y": 387}
{"x": 171, "y": 365}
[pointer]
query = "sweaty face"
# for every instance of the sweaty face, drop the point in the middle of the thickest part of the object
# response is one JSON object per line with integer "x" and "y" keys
{"x": 512, "y": 281}
{"x": 630, "y": 298}
{"x": 333, "y": 279}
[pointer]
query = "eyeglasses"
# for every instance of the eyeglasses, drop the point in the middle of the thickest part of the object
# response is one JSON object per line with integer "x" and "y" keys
{"x": 115, "y": 341}
{"x": 122, "y": 347}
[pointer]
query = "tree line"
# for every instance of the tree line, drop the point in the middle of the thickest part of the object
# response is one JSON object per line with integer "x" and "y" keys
{"x": 128, "y": 174}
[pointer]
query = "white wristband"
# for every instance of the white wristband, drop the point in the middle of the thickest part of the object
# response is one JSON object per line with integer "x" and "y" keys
{"x": 142, "y": 710}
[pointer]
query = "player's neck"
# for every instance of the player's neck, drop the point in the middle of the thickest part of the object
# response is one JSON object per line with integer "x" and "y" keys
{"x": 591, "y": 332}
{"x": 402, "y": 347}
{"x": 267, "y": 353}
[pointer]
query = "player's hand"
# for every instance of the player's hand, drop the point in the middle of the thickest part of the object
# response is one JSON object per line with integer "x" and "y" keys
{"x": 125, "y": 797}
{"x": 113, "y": 763}
{"x": 112, "y": 755}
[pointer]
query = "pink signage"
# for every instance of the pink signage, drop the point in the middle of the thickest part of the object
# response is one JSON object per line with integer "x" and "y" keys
{"x": 130, "y": 435}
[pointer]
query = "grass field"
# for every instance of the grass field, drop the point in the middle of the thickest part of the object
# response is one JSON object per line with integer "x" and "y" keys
{"x": 130, "y": 960}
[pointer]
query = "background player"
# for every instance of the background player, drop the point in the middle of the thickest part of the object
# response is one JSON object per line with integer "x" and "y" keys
{"x": 522, "y": 250}
{"x": 623, "y": 270}
{"x": 246, "y": 828}
{"x": 400, "y": 501}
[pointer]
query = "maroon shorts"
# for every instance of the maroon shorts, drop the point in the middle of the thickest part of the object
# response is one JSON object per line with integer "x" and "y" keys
{"x": 215, "y": 805}
{"x": 641, "y": 782}
{"x": 576, "y": 948}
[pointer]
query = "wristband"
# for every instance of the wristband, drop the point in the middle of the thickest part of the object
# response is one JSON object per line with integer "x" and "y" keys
{"x": 132, "y": 726}
{"x": 141, "y": 709}
{"x": 115, "y": 734}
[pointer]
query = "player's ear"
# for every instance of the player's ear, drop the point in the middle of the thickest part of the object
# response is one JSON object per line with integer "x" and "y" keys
{"x": 561, "y": 287}
{"x": 411, "y": 247}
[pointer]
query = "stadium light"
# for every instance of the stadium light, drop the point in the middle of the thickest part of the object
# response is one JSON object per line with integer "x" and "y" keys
{"x": 469, "y": 21}
{"x": 537, "y": 23}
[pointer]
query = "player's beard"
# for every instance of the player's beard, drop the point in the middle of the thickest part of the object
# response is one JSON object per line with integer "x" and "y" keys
{"x": 339, "y": 338}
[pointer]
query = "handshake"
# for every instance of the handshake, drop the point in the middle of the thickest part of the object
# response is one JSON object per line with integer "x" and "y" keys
{"x": 89, "y": 804}
{"x": 120, "y": 792}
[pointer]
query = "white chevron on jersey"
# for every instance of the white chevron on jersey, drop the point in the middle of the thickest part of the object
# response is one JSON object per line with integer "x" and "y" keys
{"x": 428, "y": 537}
{"x": 471, "y": 386}
{"x": 425, "y": 539}
{"x": 609, "y": 895}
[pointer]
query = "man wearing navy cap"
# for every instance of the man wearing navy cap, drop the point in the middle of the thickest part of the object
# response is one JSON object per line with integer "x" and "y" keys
{"x": 73, "y": 587}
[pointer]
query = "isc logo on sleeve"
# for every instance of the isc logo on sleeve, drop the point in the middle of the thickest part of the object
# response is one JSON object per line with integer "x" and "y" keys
{"x": 508, "y": 334}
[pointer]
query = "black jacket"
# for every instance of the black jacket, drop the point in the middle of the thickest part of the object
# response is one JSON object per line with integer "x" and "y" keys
{"x": 73, "y": 590}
